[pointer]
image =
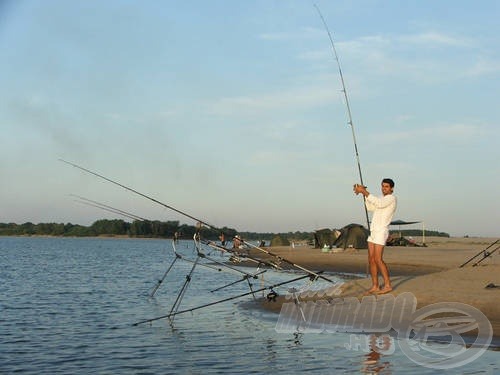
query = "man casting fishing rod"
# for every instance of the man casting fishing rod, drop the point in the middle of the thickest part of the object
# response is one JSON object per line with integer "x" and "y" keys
{"x": 383, "y": 210}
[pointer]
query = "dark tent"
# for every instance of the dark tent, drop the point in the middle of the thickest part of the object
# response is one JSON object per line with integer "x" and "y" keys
{"x": 352, "y": 235}
{"x": 324, "y": 237}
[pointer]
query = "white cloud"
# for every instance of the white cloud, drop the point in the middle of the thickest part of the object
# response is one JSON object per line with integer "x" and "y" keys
{"x": 447, "y": 133}
{"x": 305, "y": 97}
{"x": 302, "y": 33}
{"x": 411, "y": 55}
{"x": 484, "y": 67}
{"x": 434, "y": 39}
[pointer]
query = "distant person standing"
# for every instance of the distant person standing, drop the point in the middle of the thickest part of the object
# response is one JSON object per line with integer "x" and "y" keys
{"x": 237, "y": 242}
{"x": 383, "y": 210}
{"x": 222, "y": 239}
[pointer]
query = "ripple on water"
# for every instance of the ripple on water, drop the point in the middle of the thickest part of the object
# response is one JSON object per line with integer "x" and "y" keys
{"x": 68, "y": 306}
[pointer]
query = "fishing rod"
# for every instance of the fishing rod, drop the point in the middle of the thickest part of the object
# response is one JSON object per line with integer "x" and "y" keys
{"x": 483, "y": 252}
{"x": 105, "y": 207}
{"x": 350, "y": 122}
{"x": 102, "y": 206}
{"x": 200, "y": 254}
{"x": 108, "y": 208}
{"x": 136, "y": 192}
{"x": 193, "y": 218}
{"x": 279, "y": 259}
{"x": 204, "y": 256}
{"x": 160, "y": 281}
{"x": 245, "y": 278}
{"x": 179, "y": 256}
{"x": 182, "y": 292}
{"x": 236, "y": 255}
{"x": 486, "y": 255}
{"x": 271, "y": 288}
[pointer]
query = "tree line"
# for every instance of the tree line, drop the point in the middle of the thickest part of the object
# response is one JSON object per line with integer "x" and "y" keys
{"x": 137, "y": 228}
{"x": 157, "y": 229}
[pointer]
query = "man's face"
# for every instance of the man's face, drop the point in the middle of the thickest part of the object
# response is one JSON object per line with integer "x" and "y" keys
{"x": 386, "y": 188}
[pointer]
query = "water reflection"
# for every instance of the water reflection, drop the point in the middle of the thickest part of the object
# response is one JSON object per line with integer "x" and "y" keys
{"x": 297, "y": 338}
{"x": 379, "y": 345}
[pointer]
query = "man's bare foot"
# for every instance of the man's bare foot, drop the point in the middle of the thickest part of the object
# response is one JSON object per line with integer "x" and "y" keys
{"x": 385, "y": 289}
{"x": 372, "y": 290}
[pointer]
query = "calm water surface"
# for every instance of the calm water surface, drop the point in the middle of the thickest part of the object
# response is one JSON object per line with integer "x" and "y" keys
{"x": 67, "y": 306}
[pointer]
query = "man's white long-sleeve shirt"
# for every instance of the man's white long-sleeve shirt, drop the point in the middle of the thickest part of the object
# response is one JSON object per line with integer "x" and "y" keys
{"x": 384, "y": 208}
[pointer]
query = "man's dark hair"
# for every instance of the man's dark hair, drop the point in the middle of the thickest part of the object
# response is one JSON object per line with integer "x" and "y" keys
{"x": 388, "y": 181}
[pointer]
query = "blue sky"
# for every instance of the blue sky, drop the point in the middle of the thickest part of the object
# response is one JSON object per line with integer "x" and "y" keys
{"x": 232, "y": 111}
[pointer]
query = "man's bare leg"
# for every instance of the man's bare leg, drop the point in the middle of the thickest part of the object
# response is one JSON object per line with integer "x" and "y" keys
{"x": 382, "y": 267}
{"x": 373, "y": 268}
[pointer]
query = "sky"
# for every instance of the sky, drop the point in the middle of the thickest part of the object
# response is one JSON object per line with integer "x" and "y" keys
{"x": 233, "y": 111}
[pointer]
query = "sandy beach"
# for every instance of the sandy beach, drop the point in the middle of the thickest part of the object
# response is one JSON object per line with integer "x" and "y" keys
{"x": 431, "y": 273}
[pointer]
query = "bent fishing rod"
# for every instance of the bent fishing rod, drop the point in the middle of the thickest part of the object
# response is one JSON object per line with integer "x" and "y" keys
{"x": 348, "y": 106}
{"x": 193, "y": 218}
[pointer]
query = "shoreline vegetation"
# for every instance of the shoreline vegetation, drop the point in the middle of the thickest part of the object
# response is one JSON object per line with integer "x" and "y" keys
{"x": 161, "y": 229}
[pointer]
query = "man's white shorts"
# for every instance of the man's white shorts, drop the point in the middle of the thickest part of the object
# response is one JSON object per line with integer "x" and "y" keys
{"x": 378, "y": 237}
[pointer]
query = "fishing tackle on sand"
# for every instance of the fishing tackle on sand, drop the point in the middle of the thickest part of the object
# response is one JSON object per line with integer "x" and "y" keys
{"x": 484, "y": 253}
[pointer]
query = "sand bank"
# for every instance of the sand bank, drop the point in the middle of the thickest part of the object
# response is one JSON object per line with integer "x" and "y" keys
{"x": 431, "y": 273}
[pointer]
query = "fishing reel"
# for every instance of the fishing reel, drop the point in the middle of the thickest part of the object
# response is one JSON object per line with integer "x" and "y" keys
{"x": 276, "y": 264}
{"x": 271, "y": 296}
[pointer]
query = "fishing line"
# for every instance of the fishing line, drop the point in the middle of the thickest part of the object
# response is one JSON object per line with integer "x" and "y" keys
{"x": 350, "y": 122}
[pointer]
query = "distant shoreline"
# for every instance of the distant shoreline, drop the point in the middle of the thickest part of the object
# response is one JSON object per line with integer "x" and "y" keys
{"x": 121, "y": 237}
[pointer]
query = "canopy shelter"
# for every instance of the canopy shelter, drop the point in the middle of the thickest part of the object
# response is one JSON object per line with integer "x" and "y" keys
{"x": 402, "y": 222}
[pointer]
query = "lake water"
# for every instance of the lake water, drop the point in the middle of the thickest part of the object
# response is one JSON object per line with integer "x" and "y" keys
{"x": 68, "y": 306}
